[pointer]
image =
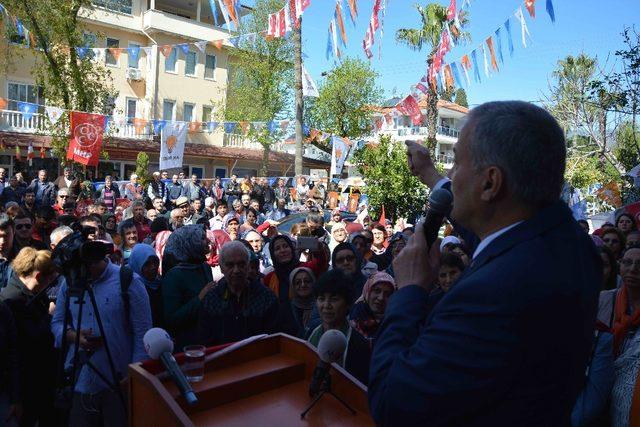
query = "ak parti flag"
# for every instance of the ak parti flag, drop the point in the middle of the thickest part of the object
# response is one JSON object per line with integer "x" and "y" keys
{"x": 86, "y": 138}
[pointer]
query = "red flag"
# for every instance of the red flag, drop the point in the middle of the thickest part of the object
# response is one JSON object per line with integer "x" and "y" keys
{"x": 448, "y": 76}
{"x": 451, "y": 11}
{"x": 410, "y": 107}
{"x": 340, "y": 21}
{"x": 166, "y": 49}
{"x": 43, "y": 153}
{"x": 115, "y": 51}
{"x": 86, "y": 138}
{"x": 305, "y": 4}
{"x": 218, "y": 44}
{"x": 531, "y": 7}
{"x": 139, "y": 125}
{"x": 383, "y": 217}
{"x": 494, "y": 63}
{"x": 422, "y": 88}
{"x": 194, "y": 127}
{"x": 353, "y": 10}
{"x": 3, "y": 104}
{"x": 389, "y": 118}
{"x": 282, "y": 23}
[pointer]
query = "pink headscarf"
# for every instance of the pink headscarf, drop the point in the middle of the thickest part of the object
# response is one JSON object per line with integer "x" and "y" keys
{"x": 378, "y": 277}
{"x": 160, "y": 243}
{"x": 217, "y": 238}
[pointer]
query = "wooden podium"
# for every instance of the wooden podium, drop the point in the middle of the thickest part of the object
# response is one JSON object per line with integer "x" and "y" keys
{"x": 262, "y": 383}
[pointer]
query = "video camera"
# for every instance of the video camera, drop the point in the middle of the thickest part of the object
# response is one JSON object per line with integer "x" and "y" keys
{"x": 73, "y": 253}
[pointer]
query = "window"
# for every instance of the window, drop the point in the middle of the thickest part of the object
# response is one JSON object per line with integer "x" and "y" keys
{"x": 131, "y": 110}
{"x": 206, "y": 113}
{"x": 110, "y": 59}
{"x": 170, "y": 61}
{"x": 123, "y": 6}
{"x": 133, "y": 60}
{"x": 190, "y": 64}
{"x": 22, "y": 92}
{"x": 168, "y": 110}
{"x": 187, "y": 112}
{"x": 210, "y": 67}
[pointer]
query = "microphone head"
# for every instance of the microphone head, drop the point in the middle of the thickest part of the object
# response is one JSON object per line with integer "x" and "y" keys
{"x": 157, "y": 341}
{"x": 440, "y": 201}
{"x": 332, "y": 345}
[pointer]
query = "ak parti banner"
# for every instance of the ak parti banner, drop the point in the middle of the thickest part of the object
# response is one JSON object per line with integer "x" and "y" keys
{"x": 86, "y": 138}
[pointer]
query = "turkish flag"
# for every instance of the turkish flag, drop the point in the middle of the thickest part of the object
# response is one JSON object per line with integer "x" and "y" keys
{"x": 410, "y": 107}
{"x": 86, "y": 138}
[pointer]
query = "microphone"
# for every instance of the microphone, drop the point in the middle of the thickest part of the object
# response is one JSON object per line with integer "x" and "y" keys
{"x": 440, "y": 202}
{"x": 158, "y": 345}
{"x": 331, "y": 347}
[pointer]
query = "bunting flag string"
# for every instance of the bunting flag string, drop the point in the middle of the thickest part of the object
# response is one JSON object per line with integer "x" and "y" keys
{"x": 523, "y": 26}
{"x": 280, "y": 23}
{"x": 499, "y": 45}
{"x": 340, "y": 22}
{"x": 492, "y": 52}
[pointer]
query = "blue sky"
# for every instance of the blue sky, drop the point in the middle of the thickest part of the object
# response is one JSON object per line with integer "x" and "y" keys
{"x": 590, "y": 26}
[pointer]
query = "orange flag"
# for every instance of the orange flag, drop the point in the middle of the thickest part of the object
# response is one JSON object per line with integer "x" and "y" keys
{"x": 494, "y": 63}
{"x": 32, "y": 38}
{"x": 343, "y": 33}
{"x": 531, "y": 7}
{"x": 466, "y": 63}
{"x": 610, "y": 193}
{"x": 139, "y": 125}
{"x": 231, "y": 8}
{"x": 166, "y": 49}
{"x": 194, "y": 127}
{"x": 3, "y": 104}
{"x": 115, "y": 51}
{"x": 218, "y": 44}
{"x": 353, "y": 10}
{"x": 448, "y": 76}
{"x": 244, "y": 126}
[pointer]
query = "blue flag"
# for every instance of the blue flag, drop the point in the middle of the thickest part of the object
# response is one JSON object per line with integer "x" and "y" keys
{"x": 476, "y": 71}
{"x": 507, "y": 25}
{"x": 214, "y": 11}
{"x": 499, "y": 46}
{"x": 82, "y": 52}
{"x": 229, "y": 127}
{"x": 158, "y": 125}
{"x": 211, "y": 126}
{"x": 19, "y": 28}
{"x": 235, "y": 41}
{"x": 133, "y": 52}
{"x": 27, "y": 109}
{"x": 107, "y": 120}
{"x": 329, "y": 52}
{"x": 272, "y": 126}
{"x": 184, "y": 47}
{"x": 456, "y": 74}
{"x": 550, "y": 11}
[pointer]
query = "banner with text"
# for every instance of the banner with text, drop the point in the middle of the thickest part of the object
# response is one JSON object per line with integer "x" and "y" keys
{"x": 338, "y": 154}
{"x": 172, "y": 143}
{"x": 86, "y": 138}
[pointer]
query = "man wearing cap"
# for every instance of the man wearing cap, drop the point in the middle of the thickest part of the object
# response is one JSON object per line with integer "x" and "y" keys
{"x": 157, "y": 188}
{"x": 67, "y": 180}
{"x": 208, "y": 211}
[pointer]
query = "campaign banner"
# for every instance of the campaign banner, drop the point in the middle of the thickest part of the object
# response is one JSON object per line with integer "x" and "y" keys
{"x": 338, "y": 154}
{"x": 172, "y": 143}
{"x": 86, "y": 138}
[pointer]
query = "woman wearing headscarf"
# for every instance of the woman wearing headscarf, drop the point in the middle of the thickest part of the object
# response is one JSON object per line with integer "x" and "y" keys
{"x": 231, "y": 225}
{"x": 338, "y": 235}
{"x": 285, "y": 259}
{"x": 145, "y": 263}
{"x": 345, "y": 257}
{"x": 111, "y": 228}
{"x": 217, "y": 239}
{"x": 368, "y": 311}
{"x": 185, "y": 285}
{"x": 159, "y": 244}
{"x": 295, "y": 314}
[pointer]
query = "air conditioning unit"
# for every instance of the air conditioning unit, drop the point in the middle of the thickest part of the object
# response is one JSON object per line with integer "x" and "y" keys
{"x": 134, "y": 74}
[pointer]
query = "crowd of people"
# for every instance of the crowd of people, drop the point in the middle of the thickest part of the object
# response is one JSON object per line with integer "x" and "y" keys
{"x": 211, "y": 266}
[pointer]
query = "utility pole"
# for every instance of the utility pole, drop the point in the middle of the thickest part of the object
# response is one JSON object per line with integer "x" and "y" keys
{"x": 297, "y": 43}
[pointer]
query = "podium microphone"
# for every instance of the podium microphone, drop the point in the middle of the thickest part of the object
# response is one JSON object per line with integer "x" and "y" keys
{"x": 440, "y": 202}
{"x": 158, "y": 345}
{"x": 331, "y": 347}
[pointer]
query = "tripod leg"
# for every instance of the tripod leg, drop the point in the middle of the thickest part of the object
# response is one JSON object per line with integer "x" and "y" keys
{"x": 313, "y": 403}
{"x": 345, "y": 404}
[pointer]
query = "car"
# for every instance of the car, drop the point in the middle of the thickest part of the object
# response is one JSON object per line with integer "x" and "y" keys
{"x": 295, "y": 218}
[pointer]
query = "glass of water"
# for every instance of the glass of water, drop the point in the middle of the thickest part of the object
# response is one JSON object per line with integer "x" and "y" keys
{"x": 194, "y": 362}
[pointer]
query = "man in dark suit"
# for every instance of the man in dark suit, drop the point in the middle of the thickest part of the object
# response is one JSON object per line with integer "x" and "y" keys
{"x": 509, "y": 343}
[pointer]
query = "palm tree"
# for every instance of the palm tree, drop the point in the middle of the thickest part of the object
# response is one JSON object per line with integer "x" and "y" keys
{"x": 434, "y": 18}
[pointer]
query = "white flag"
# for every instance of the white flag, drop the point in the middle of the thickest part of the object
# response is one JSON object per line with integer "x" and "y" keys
{"x": 54, "y": 114}
{"x": 486, "y": 63}
{"x": 172, "y": 143}
{"x": 338, "y": 155}
{"x": 309, "y": 87}
{"x": 523, "y": 26}
{"x": 202, "y": 45}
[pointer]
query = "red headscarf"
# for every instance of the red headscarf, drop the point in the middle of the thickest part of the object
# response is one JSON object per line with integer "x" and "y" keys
{"x": 160, "y": 243}
{"x": 623, "y": 322}
{"x": 217, "y": 239}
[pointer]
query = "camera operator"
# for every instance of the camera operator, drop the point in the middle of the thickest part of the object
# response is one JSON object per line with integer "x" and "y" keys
{"x": 94, "y": 401}
{"x": 509, "y": 343}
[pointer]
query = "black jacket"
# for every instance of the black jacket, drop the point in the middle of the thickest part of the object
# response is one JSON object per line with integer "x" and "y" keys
{"x": 9, "y": 365}
{"x": 35, "y": 341}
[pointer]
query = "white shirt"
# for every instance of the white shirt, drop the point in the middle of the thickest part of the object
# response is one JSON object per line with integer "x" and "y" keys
{"x": 491, "y": 237}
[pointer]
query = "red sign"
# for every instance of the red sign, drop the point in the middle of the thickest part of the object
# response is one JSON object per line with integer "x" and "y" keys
{"x": 410, "y": 107}
{"x": 86, "y": 138}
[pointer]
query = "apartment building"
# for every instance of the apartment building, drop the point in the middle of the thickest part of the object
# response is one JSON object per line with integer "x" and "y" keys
{"x": 184, "y": 86}
{"x": 401, "y": 128}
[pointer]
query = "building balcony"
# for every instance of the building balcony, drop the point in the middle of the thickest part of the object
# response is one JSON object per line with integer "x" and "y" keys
{"x": 185, "y": 27}
{"x": 443, "y": 133}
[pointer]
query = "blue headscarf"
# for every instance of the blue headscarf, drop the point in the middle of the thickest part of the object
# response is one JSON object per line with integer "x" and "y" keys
{"x": 188, "y": 244}
{"x": 140, "y": 254}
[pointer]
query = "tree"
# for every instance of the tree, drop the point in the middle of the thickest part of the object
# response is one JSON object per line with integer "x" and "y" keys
{"x": 261, "y": 81}
{"x": 346, "y": 97}
{"x": 390, "y": 183}
{"x": 461, "y": 98}
{"x": 142, "y": 168}
{"x": 433, "y": 18}
{"x": 67, "y": 80}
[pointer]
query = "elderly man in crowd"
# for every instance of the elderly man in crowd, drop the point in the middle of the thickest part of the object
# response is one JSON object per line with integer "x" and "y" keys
{"x": 140, "y": 221}
{"x": 62, "y": 198}
{"x": 177, "y": 219}
{"x": 43, "y": 188}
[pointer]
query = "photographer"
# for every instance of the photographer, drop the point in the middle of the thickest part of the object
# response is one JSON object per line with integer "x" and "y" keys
{"x": 509, "y": 343}
{"x": 94, "y": 401}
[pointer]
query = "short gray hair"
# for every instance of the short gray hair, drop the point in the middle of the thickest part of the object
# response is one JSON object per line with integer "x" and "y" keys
{"x": 137, "y": 203}
{"x": 60, "y": 233}
{"x": 526, "y": 143}
{"x": 235, "y": 245}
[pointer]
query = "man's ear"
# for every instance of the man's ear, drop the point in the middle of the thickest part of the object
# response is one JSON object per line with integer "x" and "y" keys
{"x": 492, "y": 183}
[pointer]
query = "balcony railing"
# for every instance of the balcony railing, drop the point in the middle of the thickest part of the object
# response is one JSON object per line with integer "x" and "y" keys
{"x": 240, "y": 141}
{"x": 15, "y": 121}
{"x": 446, "y": 159}
{"x": 422, "y": 131}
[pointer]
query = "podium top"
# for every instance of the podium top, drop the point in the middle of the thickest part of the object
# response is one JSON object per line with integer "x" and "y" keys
{"x": 264, "y": 382}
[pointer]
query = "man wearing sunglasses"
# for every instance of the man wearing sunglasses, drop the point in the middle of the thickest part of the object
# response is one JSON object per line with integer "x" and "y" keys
{"x": 23, "y": 235}
{"x": 63, "y": 197}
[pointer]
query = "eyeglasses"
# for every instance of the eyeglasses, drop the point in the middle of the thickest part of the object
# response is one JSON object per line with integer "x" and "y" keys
{"x": 630, "y": 262}
{"x": 63, "y": 197}
{"x": 21, "y": 226}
